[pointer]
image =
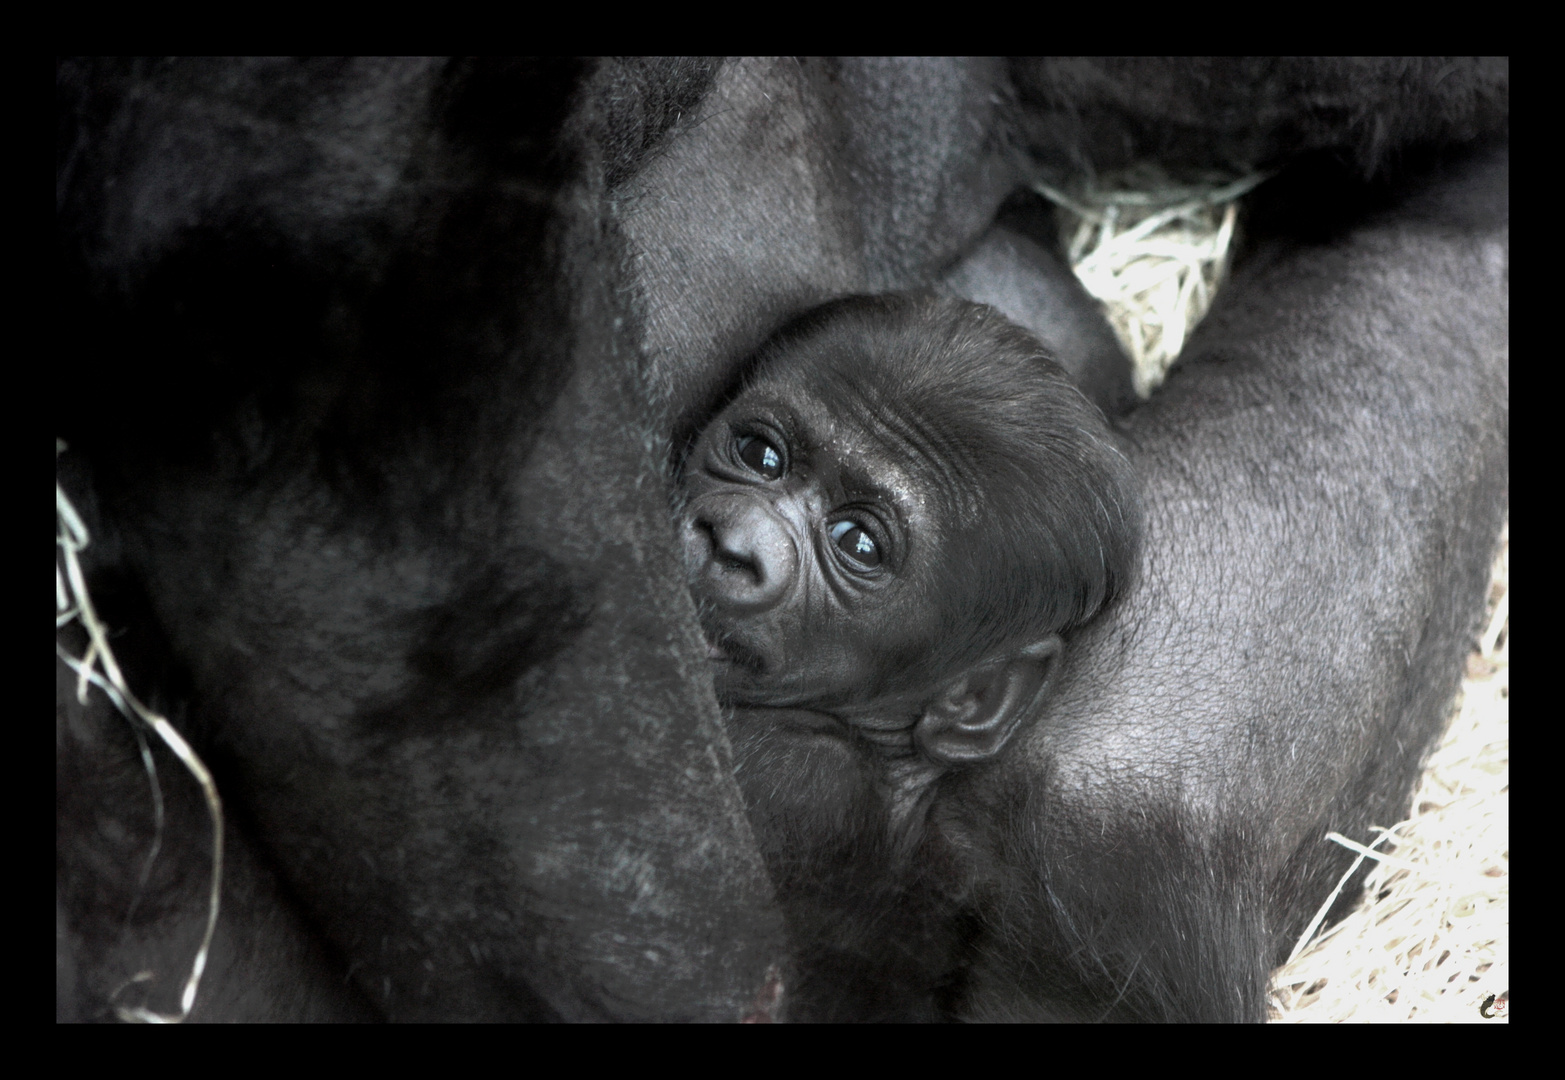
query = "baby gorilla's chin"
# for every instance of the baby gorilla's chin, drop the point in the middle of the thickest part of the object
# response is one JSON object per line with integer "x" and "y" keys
{"x": 740, "y": 688}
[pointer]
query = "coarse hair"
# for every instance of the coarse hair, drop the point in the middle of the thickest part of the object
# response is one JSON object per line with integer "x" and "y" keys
{"x": 1044, "y": 510}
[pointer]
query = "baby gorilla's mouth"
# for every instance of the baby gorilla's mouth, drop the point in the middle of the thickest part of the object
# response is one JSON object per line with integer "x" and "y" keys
{"x": 725, "y": 647}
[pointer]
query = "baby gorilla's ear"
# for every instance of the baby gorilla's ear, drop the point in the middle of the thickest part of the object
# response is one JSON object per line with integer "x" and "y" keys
{"x": 975, "y": 714}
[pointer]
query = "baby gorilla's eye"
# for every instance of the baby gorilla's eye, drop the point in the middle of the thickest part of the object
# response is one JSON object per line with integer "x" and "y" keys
{"x": 762, "y": 457}
{"x": 855, "y": 543}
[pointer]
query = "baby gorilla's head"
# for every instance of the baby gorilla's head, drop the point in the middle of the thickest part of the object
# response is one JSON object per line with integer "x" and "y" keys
{"x": 898, "y": 516}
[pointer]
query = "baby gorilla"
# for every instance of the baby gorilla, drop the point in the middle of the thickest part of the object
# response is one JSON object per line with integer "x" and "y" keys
{"x": 897, "y": 517}
{"x": 887, "y": 531}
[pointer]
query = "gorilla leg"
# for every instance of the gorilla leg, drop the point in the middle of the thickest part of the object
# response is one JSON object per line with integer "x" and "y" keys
{"x": 1348, "y": 400}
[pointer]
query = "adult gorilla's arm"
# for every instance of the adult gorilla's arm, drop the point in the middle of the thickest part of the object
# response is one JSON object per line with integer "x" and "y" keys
{"x": 358, "y": 429}
{"x": 1325, "y": 475}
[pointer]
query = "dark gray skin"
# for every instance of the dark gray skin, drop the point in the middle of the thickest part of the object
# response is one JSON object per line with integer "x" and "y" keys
{"x": 818, "y": 557}
{"x": 904, "y": 506}
{"x": 798, "y": 181}
{"x": 832, "y": 546}
{"x": 388, "y": 529}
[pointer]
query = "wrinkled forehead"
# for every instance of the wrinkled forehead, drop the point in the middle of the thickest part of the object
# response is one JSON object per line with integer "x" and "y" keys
{"x": 878, "y": 436}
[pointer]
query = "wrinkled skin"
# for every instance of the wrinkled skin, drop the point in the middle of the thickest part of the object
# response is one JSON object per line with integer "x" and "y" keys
{"x": 376, "y": 376}
{"x": 797, "y": 613}
{"x": 894, "y": 521}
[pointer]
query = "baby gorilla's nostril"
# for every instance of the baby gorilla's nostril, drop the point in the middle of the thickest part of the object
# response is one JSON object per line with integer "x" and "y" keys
{"x": 716, "y": 547}
{"x": 739, "y": 564}
{"x": 741, "y": 554}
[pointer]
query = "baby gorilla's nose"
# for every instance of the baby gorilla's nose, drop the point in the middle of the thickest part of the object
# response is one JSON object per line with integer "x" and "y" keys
{"x": 749, "y": 558}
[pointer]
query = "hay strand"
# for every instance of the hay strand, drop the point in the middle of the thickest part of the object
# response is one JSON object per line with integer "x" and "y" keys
{"x": 1430, "y": 941}
{"x": 1153, "y": 252}
{"x": 72, "y": 602}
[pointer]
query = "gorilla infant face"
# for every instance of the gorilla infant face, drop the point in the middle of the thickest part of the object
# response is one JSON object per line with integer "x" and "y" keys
{"x": 898, "y": 516}
{"x": 811, "y": 539}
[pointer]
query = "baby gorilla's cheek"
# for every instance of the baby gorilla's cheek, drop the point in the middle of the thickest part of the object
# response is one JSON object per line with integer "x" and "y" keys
{"x": 834, "y": 665}
{"x": 804, "y": 785}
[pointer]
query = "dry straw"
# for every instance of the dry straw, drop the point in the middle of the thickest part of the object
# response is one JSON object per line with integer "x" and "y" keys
{"x": 97, "y": 667}
{"x": 1153, "y": 251}
{"x": 1430, "y": 940}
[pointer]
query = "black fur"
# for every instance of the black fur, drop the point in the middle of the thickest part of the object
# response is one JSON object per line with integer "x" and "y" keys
{"x": 368, "y": 373}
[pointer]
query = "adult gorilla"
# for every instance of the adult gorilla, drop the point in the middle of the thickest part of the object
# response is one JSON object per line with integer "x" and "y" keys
{"x": 375, "y": 369}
